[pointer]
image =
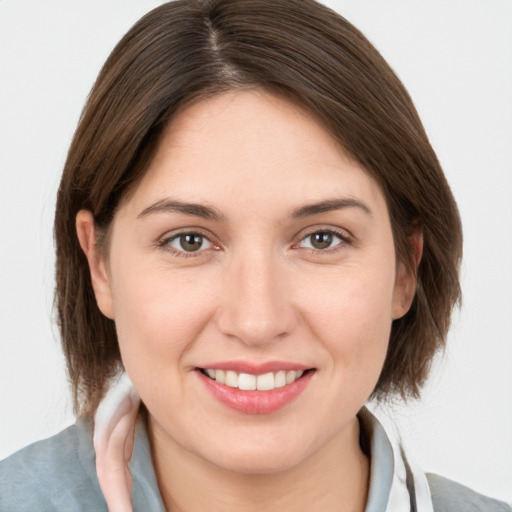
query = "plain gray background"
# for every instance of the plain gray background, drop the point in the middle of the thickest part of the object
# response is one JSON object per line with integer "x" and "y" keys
{"x": 455, "y": 57}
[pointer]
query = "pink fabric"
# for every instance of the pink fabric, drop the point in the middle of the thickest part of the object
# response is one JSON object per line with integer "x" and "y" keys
{"x": 114, "y": 433}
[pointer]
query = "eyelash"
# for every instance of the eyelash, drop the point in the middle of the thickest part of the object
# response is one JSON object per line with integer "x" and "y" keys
{"x": 344, "y": 240}
{"x": 343, "y": 236}
{"x": 165, "y": 244}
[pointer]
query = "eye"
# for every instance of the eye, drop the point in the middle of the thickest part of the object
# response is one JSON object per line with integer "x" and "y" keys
{"x": 322, "y": 240}
{"x": 187, "y": 243}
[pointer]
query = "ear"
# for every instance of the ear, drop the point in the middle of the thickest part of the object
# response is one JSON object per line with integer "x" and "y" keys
{"x": 87, "y": 237}
{"x": 406, "y": 279}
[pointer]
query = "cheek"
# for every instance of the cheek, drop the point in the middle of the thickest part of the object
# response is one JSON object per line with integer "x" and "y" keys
{"x": 158, "y": 315}
{"x": 351, "y": 312}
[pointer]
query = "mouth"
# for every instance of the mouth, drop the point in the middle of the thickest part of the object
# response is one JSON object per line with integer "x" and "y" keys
{"x": 255, "y": 393}
{"x": 249, "y": 382}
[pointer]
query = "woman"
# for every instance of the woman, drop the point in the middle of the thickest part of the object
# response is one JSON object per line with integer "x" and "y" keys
{"x": 252, "y": 224}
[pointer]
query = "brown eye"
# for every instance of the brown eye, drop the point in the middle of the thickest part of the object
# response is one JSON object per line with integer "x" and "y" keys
{"x": 189, "y": 242}
{"x": 321, "y": 240}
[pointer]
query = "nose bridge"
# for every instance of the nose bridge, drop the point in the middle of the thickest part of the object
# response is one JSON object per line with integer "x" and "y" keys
{"x": 256, "y": 307}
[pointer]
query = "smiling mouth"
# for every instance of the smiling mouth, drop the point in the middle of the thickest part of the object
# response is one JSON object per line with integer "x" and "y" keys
{"x": 248, "y": 382}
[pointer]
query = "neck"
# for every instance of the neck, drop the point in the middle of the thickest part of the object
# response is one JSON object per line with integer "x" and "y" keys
{"x": 335, "y": 478}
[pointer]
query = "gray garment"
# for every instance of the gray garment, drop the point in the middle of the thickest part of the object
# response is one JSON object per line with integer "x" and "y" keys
{"x": 58, "y": 474}
{"x": 449, "y": 496}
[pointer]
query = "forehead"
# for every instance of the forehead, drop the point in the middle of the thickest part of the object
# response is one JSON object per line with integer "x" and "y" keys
{"x": 248, "y": 146}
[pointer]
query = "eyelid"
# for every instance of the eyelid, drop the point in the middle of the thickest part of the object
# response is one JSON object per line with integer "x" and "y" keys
{"x": 346, "y": 238}
{"x": 163, "y": 242}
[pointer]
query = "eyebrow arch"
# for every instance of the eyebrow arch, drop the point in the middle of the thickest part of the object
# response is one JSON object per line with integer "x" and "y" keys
{"x": 172, "y": 205}
{"x": 330, "y": 205}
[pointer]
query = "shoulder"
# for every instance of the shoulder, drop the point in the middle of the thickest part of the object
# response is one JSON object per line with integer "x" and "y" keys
{"x": 449, "y": 496}
{"x": 56, "y": 474}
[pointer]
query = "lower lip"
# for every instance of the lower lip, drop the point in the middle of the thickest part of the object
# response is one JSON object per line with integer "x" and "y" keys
{"x": 256, "y": 402}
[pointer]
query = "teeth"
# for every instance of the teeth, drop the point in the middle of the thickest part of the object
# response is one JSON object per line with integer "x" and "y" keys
{"x": 248, "y": 382}
{"x": 265, "y": 382}
{"x": 280, "y": 379}
{"x": 220, "y": 376}
{"x": 231, "y": 379}
{"x": 290, "y": 377}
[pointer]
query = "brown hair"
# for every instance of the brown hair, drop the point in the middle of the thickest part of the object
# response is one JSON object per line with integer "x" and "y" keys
{"x": 189, "y": 49}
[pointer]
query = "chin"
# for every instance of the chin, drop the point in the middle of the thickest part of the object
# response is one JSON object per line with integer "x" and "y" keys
{"x": 246, "y": 466}
{"x": 258, "y": 459}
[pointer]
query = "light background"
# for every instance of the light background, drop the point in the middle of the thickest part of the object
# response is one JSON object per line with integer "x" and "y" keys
{"x": 455, "y": 57}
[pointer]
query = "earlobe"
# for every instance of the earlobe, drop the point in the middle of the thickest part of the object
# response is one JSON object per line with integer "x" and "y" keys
{"x": 406, "y": 278}
{"x": 87, "y": 237}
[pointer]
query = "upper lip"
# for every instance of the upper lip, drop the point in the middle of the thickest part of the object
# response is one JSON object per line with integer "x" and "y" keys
{"x": 254, "y": 368}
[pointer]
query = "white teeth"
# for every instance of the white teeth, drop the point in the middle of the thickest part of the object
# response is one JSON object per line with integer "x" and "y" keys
{"x": 220, "y": 376}
{"x": 265, "y": 382}
{"x": 248, "y": 382}
{"x": 280, "y": 379}
{"x": 290, "y": 377}
{"x": 231, "y": 379}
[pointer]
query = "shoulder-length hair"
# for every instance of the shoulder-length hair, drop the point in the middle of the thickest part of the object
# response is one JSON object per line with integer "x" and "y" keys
{"x": 190, "y": 49}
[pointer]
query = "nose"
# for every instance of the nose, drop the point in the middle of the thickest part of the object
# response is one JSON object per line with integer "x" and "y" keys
{"x": 257, "y": 306}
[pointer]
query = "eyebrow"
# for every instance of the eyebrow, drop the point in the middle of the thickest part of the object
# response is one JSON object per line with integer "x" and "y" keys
{"x": 330, "y": 205}
{"x": 209, "y": 213}
{"x": 172, "y": 205}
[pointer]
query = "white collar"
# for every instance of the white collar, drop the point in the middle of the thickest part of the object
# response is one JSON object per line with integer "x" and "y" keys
{"x": 395, "y": 484}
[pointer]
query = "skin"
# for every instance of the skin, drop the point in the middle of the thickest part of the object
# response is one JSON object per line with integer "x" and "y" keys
{"x": 256, "y": 290}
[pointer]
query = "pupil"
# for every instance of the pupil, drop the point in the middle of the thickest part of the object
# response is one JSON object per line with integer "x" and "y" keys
{"x": 321, "y": 240}
{"x": 191, "y": 242}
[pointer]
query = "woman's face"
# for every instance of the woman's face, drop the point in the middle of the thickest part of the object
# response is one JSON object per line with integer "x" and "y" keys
{"x": 252, "y": 248}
